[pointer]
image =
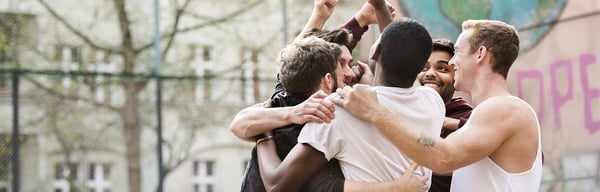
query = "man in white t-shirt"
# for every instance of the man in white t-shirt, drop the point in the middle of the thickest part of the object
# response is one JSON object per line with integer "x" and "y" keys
{"x": 364, "y": 153}
{"x": 499, "y": 147}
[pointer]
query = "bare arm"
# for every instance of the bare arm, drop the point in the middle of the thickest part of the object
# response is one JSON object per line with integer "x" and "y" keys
{"x": 291, "y": 173}
{"x": 322, "y": 10}
{"x": 451, "y": 123}
{"x": 459, "y": 149}
{"x": 384, "y": 12}
{"x": 253, "y": 121}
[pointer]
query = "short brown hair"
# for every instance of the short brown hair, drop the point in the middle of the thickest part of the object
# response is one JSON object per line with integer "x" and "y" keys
{"x": 501, "y": 39}
{"x": 443, "y": 45}
{"x": 304, "y": 62}
{"x": 337, "y": 36}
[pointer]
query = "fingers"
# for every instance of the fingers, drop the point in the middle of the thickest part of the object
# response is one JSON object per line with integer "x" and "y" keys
{"x": 317, "y": 117}
{"x": 341, "y": 94}
{"x": 321, "y": 95}
{"x": 332, "y": 3}
{"x": 327, "y": 3}
{"x": 318, "y": 95}
{"x": 422, "y": 179}
{"x": 317, "y": 109}
{"x": 338, "y": 100}
{"x": 388, "y": 4}
{"x": 311, "y": 111}
{"x": 412, "y": 168}
{"x": 344, "y": 92}
{"x": 267, "y": 103}
{"x": 356, "y": 71}
{"x": 321, "y": 112}
{"x": 324, "y": 111}
{"x": 392, "y": 10}
{"x": 364, "y": 67}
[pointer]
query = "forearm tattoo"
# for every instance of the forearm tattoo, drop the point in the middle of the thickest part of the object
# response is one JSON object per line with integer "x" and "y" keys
{"x": 427, "y": 140}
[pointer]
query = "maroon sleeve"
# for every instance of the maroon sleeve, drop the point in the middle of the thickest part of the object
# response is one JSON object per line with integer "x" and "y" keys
{"x": 463, "y": 118}
{"x": 356, "y": 30}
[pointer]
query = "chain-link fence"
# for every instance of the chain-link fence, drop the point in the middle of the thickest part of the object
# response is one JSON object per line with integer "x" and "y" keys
{"x": 84, "y": 131}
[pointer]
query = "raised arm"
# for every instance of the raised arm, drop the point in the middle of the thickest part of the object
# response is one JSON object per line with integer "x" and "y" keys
{"x": 359, "y": 24}
{"x": 254, "y": 121}
{"x": 383, "y": 12}
{"x": 322, "y": 10}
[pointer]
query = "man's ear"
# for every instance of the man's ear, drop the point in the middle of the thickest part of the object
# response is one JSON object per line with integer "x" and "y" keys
{"x": 327, "y": 82}
{"x": 375, "y": 52}
{"x": 482, "y": 53}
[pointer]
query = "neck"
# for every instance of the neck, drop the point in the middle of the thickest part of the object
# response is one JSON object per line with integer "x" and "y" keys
{"x": 448, "y": 97}
{"x": 487, "y": 86}
{"x": 380, "y": 80}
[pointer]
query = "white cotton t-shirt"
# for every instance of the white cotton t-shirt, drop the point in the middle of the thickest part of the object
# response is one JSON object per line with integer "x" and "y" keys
{"x": 364, "y": 153}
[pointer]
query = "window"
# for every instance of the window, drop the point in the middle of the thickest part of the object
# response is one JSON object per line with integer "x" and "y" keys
{"x": 202, "y": 64}
{"x": 98, "y": 177}
{"x": 102, "y": 89}
{"x": 93, "y": 176}
{"x": 69, "y": 58}
{"x": 250, "y": 76}
{"x": 96, "y": 56}
{"x": 580, "y": 172}
{"x": 203, "y": 177}
{"x": 68, "y": 54}
{"x": 64, "y": 173}
{"x": 206, "y": 53}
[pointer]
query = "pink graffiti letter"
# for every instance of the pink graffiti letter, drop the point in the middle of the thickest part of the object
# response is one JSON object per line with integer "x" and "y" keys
{"x": 532, "y": 74}
{"x": 589, "y": 93}
{"x": 557, "y": 99}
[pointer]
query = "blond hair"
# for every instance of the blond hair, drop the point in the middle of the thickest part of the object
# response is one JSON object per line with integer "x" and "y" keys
{"x": 499, "y": 38}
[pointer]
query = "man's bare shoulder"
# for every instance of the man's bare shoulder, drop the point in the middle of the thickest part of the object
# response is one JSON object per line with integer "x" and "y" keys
{"x": 505, "y": 112}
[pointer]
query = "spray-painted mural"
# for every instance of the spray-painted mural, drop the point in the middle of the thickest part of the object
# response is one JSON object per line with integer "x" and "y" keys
{"x": 444, "y": 18}
{"x": 556, "y": 72}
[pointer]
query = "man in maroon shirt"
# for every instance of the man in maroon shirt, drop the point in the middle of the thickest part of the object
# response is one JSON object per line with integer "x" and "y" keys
{"x": 439, "y": 75}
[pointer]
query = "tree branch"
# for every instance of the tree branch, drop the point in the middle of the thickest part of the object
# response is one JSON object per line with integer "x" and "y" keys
{"x": 128, "y": 51}
{"x": 71, "y": 97}
{"x": 223, "y": 19}
{"x": 178, "y": 12}
{"x": 77, "y": 33}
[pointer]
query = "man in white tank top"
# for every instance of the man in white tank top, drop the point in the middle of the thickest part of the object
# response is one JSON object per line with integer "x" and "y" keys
{"x": 499, "y": 148}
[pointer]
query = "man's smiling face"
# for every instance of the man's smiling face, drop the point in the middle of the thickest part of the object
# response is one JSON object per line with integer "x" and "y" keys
{"x": 438, "y": 74}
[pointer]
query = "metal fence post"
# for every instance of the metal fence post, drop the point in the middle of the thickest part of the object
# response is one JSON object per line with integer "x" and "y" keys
{"x": 158, "y": 63}
{"x": 15, "y": 136}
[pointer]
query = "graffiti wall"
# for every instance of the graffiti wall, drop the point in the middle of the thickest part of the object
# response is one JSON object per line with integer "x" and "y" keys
{"x": 557, "y": 72}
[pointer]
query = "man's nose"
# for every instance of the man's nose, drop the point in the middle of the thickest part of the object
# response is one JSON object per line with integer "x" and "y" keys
{"x": 452, "y": 62}
{"x": 349, "y": 74}
{"x": 430, "y": 72}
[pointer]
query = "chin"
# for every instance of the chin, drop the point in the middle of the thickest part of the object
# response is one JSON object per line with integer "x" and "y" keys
{"x": 456, "y": 87}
